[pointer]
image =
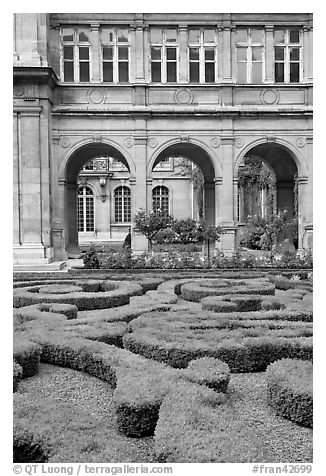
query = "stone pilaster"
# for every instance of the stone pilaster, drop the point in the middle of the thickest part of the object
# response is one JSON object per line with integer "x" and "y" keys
{"x": 183, "y": 54}
{"x": 228, "y": 236}
{"x": 96, "y": 53}
{"x": 269, "y": 54}
{"x": 139, "y": 242}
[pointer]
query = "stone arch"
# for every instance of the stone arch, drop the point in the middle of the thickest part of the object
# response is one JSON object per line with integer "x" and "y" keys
{"x": 214, "y": 158}
{"x": 202, "y": 156}
{"x": 104, "y": 146}
{"x": 287, "y": 164}
{"x": 293, "y": 151}
{"x": 68, "y": 173}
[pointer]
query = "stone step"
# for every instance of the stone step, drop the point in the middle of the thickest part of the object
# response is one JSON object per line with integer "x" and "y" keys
{"x": 38, "y": 267}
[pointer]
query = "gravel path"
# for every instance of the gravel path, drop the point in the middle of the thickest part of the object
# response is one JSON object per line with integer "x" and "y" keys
{"x": 81, "y": 398}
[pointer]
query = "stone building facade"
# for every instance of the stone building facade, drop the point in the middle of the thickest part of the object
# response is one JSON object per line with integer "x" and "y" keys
{"x": 143, "y": 89}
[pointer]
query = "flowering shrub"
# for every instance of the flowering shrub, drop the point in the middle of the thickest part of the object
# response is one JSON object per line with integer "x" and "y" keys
{"x": 261, "y": 233}
{"x": 194, "y": 260}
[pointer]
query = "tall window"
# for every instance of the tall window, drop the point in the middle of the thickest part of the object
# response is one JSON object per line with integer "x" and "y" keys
{"x": 287, "y": 55}
{"x": 202, "y": 55}
{"x": 85, "y": 209}
{"x": 164, "y": 55}
{"x": 249, "y": 55}
{"x": 115, "y": 55}
{"x": 75, "y": 54}
{"x": 122, "y": 204}
{"x": 161, "y": 199}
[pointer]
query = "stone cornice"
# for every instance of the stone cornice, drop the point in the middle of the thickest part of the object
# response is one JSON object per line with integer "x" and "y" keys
{"x": 43, "y": 75}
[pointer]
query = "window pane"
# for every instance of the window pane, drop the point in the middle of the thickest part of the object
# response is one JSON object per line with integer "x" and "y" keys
{"x": 256, "y": 54}
{"x": 108, "y": 72}
{"x": 256, "y": 73}
{"x": 107, "y": 53}
{"x": 123, "y": 72}
{"x": 209, "y": 36}
{"x": 171, "y": 53}
{"x": 156, "y": 35}
{"x": 156, "y": 53}
{"x": 68, "y": 71}
{"x": 279, "y": 36}
{"x": 209, "y": 54}
{"x": 156, "y": 72}
{"x": 123, "y": 53}
{"x": 209, "y": 73}
{"x": 257, "y": 36}
{"x": 279, "y": 72}
{"x": 84, "y": 72}
{"x": 171, "y": 35}
{"x": 279, "y": 54}
{"x": 194, "y": 72}
{"x": 194, "y": 53}
{"x": 294, "y": 54}
{"x": 83, "y": 35}
{"x": 107, "y": 35}
{"x": 171, "y": 72}
{"x": 84, "y": 53}
{"x": 242, "y": 35}
{"x": 68, "y": 52}
{"x": 68, "y": 34}
{"x": 241, "y": 72}
{"x": 294, "y": 72}
{"x": 194, "y": 36}
{"x": 294, "y": 36}
{"x": 241, "y": 54}
{"x": 122, "y": 35}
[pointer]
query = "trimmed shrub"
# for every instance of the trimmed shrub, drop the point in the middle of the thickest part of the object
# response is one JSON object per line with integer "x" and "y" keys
{"x": 272, "y": 303}
{"x": 251, "y": 354}
{"x": 17, "y": 375}
{"x": 59, "y": 289}
{"x": 114, "y": 293}
{"x": 69, "y": 310}
{"x": 232, "y": 303}
{"x": 27, "y": 355}
{"x": 28, "y": 448}
{"x": 149, "y": 284}
{"x": 246, "y": 341}
{"x": 290, "y": 390}
{"x": 210, "y": 372}
{"x": 196, "y": 425}
{"x": 197, "y": 290}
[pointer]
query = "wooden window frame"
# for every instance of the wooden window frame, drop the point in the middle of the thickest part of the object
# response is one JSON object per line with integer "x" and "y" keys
{"x": 249, "y": 45}
{"x": 202, "y": 45}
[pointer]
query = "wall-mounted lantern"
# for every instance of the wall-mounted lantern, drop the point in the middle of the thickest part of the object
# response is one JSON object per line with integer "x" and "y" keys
{"x": 103, "y": 179}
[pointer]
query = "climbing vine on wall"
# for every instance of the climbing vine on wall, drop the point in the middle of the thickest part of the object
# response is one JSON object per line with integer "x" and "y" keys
{"x": 254, "y": 176}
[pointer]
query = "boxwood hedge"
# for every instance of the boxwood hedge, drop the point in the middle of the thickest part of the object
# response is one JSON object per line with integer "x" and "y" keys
{"x": 290, "y": 390}
{"x": 113, "y": 293}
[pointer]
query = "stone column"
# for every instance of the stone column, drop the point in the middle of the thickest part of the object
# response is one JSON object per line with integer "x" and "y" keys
{"x": 218, "y": 181}
{"x": 149, "y": 186}
{"x": 303, "y": 198}
{"x": 228, "y": 236}
{"x": 71, "y": 190}
{"x": 139, "y": 242}
{"x": 183, "y": 54}
{"x": 269, "y": 54}
{"x": 96, "y": 53}
{"x": 209, "y": 203}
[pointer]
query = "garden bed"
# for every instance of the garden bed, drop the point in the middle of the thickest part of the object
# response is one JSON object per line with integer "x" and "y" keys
{"x": 147, "y": 352}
